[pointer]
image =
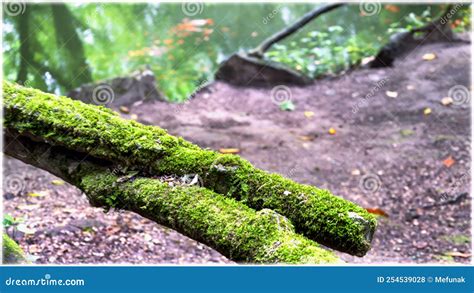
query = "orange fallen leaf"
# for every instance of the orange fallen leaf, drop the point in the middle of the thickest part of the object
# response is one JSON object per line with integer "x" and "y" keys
{"x": 377, "y": 211}
{"x": 306, "y": 138}
{"x": 449, "y": 161}
{"x": 392, "y": 8}
{"x": 332, "y": 131}
{"x": 458, "y": 254}
{"x": 429, "y": 56}
{"x": 229, "y": 151}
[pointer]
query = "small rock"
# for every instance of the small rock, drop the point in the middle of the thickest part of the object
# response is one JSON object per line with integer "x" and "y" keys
{"x": 391, "y": 94}
{"x": 420, "y": 245}
{"x": 355, "y": 172}
{"x": 446, "y": 101}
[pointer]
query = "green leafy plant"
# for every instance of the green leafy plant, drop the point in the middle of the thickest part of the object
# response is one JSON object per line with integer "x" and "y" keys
{"x": 287, "y": 106}
{"x": 9, "y": 221}
{"x": 321, "y": 53}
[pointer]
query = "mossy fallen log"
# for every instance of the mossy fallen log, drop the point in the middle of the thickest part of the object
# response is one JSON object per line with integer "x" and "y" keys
{"x": 12, "y": 252}
{"x": 101, "y": 133}
{"x": 237, "y": 231}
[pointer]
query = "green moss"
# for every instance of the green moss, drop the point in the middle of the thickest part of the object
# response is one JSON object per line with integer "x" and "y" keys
{"x": 315, "y": 212}
{"x": 237, "y": 231}
{"x": 458, "y": 239}
{"x": 12, "y": 253}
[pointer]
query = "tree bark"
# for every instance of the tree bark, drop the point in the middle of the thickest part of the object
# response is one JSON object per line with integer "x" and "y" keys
{"x": 99, "y": 133}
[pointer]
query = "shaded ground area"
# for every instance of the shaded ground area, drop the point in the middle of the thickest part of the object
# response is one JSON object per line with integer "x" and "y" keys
{"x": 406, "y": 156}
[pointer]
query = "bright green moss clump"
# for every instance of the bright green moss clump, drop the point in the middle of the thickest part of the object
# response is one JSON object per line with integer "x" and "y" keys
{"x": 237, "y": 231}
{"x": 12, "y": 253}
{"x": 316, "y": 213}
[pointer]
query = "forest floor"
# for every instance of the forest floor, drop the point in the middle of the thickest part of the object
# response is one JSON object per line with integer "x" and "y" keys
{"x": 406, "y": 158}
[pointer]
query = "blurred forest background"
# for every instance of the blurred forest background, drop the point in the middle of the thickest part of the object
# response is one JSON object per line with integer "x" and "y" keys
{"x": 58, "y": 47}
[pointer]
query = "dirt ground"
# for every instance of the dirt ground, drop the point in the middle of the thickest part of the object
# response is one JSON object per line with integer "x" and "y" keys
{"x": 405, "y": 157}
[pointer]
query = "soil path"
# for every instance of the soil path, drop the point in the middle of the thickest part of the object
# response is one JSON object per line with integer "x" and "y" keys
{"x": 387, "y": 154}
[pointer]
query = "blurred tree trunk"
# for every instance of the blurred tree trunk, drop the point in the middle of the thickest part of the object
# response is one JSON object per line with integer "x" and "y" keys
{"x": 68, "y": 39}
{"x": 22, "y": 24}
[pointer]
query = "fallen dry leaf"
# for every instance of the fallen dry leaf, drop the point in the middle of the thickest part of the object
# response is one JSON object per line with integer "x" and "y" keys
{"x": 449, "y": 161}
{"x": 332, "y": 131}
{"x": 446, "y": 101}
{"x": 229, "y": 151}
{"x": 391, "y": 94}
{"x": 23, "y": 228}
{"x": 355, "y": 172}
{"x": 429, "y": 56}
{"x": 57, "y": 182}
{"x": 377, "y": 211}
{"x": 458, "y": 254}
{"x": 28, "y": 207}
{"x": 306, "y": 138}
{"x": 367, "y": 60}
{"x": 427, "y": 111}
{"x": 124, "y": 109}
{"x": 308, "y": 114}
{"x": 410, "y": 87}
{"x": 134, "y": 116}
{"x": 35, "y": 194}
